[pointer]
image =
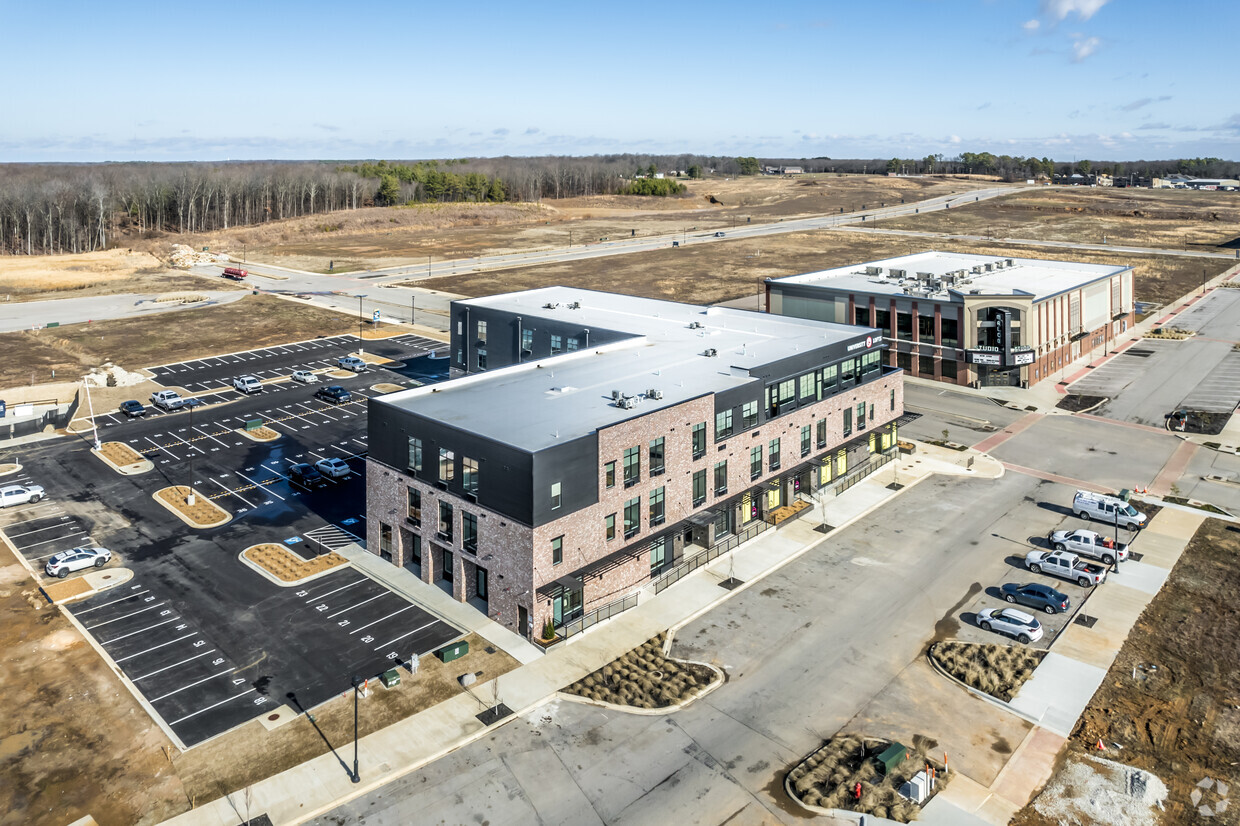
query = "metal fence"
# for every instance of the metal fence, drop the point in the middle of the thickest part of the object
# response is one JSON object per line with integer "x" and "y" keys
{"x": 854, "y": 476}
{"x": 709, "y": 555}
{"x": 596, "y": 616}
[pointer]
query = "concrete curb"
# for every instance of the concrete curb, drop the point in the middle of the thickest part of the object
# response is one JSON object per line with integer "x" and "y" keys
{"x": 842, "y": 814}
{"x": 254, "y": 566}
{"x": 250, "y": 435}
{"x": 994, "y": 701}
{"x": 131, "y": 469}
{"x": 17, "y": 466}
{"x": 122, "y": 575}
{"x": 179, "y": 515}
{"x": 720, "y": 679}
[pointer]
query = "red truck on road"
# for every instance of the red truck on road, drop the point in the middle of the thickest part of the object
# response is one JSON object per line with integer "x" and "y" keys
{"x": 235, "y": 273}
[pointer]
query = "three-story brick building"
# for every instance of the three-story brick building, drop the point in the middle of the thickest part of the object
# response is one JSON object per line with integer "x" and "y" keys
{"x": 594, "y": 440}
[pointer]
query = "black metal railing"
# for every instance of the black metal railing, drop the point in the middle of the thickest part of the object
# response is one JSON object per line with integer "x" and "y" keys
{"x": 592, "y": 618}
{"x": 709, "y": 555}
{"x": 875, "y": 461}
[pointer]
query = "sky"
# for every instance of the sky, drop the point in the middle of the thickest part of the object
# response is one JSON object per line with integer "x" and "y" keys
{"x": 1068, "y": 79}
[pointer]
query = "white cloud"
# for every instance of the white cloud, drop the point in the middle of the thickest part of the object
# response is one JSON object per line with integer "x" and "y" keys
{"x": 1058, "y": 10}
{"x": 954, "y": 139}
{"x": 1031, "y": 25}
{"x": 1084, "y": 47}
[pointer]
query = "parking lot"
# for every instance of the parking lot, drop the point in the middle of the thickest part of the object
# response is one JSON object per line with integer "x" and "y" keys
{"x": 207, "y": 641}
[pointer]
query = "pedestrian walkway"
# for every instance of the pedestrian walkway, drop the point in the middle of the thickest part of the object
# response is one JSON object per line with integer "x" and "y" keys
{"x": 317, "y": 786}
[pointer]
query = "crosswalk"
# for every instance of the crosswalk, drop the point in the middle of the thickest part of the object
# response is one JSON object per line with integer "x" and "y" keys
{"x": 331, "y": 537}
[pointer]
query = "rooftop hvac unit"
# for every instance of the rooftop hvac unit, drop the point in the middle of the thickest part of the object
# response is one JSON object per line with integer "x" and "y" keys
{"x": 873, "y": 270}
{"x": 695, "y": 325}
{"x": 1010, "y": 262}
{"x": 923, "y": 276}
{"x": 977, "y": 268}
{"x": 627, "y": 402}
{"x": 615, "y": 395}
{"x": 550, "y": 305}
{"x": 576, "y": 305}
{"x": 998, "y": 265}
{"x": 990, "y": 267}
{"x": 895, "y": 273}
{"x": 654, "y": 393}
{"x": 711, "y": 353}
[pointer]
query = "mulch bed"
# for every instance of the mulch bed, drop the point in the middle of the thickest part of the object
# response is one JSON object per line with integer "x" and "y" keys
{"x": 998, "y": 670}
{"x": 203, "y": 513}
{"x": 1076, "y": 402}
{"x": 1199, "y": 421}
{"x": 644, "y": 678}
{"x": 287, "y": 566}
{"x": 120, "y": 453}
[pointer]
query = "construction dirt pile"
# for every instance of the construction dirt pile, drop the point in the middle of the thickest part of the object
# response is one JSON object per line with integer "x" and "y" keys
{"x": 110, "y": 375}
{"x": 184, "y": 257}
{"x": 1096, "y": 791}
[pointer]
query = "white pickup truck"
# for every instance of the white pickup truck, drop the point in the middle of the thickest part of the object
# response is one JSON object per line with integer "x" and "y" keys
{"x": 247, "y": 384}
{"x": 1066, "y": 566}
{"x": 1088, "y": 543}
{"x": 167, "y": 400}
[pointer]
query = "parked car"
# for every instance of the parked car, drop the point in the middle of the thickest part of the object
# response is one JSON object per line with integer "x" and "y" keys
{"x": 133, "y": 409}
{"x": 20, "y": 495}
{"x": 718, "y": 234}
{"x": 1012, "y": 622}
{"x": 1088, "y": 543}
{"x": 1065, "y": 566}
{"x": 64, "y": 563}
{"x": 1035, "y": 595}
{"x": 304, "y": 376}
{"x": 333, "y": 393}
{"x": 1106, "y": 509}
{"x": 167, "y": 400}
{"x": 306, "y": 475}
{"x": 352, "y": 363}
{"x": 335, "y": 468}
{"x": 248, "y": 384}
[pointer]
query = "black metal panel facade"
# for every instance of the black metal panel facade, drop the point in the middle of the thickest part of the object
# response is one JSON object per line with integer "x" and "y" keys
{"x": 507, "y": 332}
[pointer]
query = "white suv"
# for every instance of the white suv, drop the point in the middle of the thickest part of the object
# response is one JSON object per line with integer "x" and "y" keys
{"x": 1012, "y": 622}
{"x": 78, "y": 559}
{"x": 20, "y": 495}
{"x": 248, "y": 384}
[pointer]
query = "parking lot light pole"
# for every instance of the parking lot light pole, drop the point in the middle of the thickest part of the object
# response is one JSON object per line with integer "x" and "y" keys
{"x": 189, "y": 499}
{"x": 361, "y": 319}
{"x": 357, "y": 681}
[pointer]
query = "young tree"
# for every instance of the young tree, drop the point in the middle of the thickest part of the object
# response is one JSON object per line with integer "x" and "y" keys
{"x": 389, "y": 191}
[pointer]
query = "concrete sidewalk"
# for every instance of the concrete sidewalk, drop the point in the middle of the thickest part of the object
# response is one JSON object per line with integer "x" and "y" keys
{"x": 318, "y": 786}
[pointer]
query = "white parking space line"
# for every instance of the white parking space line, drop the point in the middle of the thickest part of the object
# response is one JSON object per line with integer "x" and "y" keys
{"x": 172, "y": 666}
{"x": 135, "y": 633}
{"x": 156, "y": 647}
{"x": 335, "y": 590}
{"x": 113, "y": 602}
{"x": 36, "y": 530}
{"x": 57, "y": 539}
{"x": 234, "y": 493}
{"x": 164, "y": 449}
{"x": 276, "y": 472}
{"x": 191, "y": 685}
{"x": 187, "y": 444}
{"x": 356, "y": 605}
{"x": 209, "y": 436}
{"x": 86, "y": 543}
{"x": 260, "y": 487}
{"x": 56, "y": 511}
{"x": 208, "y": 708}
{"x": 274, "y": 422}
{"x": 410, "y": 634}
{"x": 126, "y": 616}
{"x": 381, "y": 619}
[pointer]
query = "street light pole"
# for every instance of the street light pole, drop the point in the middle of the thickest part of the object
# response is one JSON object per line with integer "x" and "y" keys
{"x": 189, "y": 499}
{"x": 357, "y": 778}
{"x": 412, "y": 312}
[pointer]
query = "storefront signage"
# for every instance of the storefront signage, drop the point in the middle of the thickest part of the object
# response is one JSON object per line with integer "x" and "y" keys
{"x": 869, "y": 342}
{"x": 978, "y": 357}
{"x": 1023, "y": 357}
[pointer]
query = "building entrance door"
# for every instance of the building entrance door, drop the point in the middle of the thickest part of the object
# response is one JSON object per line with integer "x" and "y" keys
{"x": 998, "y": 377}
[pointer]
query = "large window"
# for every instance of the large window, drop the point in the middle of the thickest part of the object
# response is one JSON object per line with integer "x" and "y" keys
{"x": 807, "y": 386}
{"x": 656, "y": 456}
{"x": 905, "y": 362}
{"x": 657, "y": 515}
{"x": 632, "y": 517}
{"x": 469, "y": 531}
{"x": 723, "y": 424}
{"x": 847, "y": 421}
{"x": 904, "y": 326}
{"x": 556, "y": 498}
{"x": 830, "y": 378}
{"x": 773, "y": 454}
{"x": 925, "y": 365}
{"x": 557, "y": 344}
{"x": 482, "y": 333}
{"x": 925, "y": 329}
{"x": 721, "y": 477}
{"x": 385, "y": 541}
{"x": 699, "y": 487}
{"x": 447, "y": 465}
{"x": 658, "y": 555}
{"x": 527, "y": 340}
{"x": 949, "y": 372}
{"x": 557, "y": 550}
{"x": 861, "y": 416}
{"x": 893, "y": 399}
{"x": 609, "y": 474}
{"x": 415, "y": 549}
{"x": 755, "y": 461}
{"x": 609, "y": 526}
{"x": 699, "y": 440}
{"x": 414, "y": 509}
{"x": 445, "y": 520}
{"x": 822, "y": 433}
{"x": 882, "y": 320}
{"x": 571, "y": 341}
{"x": 871, "y": 362}
{"x": 949, "y": 330}
{"x": 861, "y": 316}
{"x": 848, "y": 371}
{"x": 446, "y": 565}
{"x": 806, "y": 440}
{"x": 415, "y": 455}
{"x": 632, "y": 466}
{"x": 469, "y": 474}
{"x": 749, "y": 415}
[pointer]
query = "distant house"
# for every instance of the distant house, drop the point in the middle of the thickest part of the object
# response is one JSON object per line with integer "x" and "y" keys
{"x": 791, "y": 170}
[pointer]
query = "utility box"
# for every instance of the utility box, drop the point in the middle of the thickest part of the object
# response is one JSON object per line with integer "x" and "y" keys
{"x": 390, "y": 679}
{"x": 253, "y": 424}
{"x": 453, "y": 652}
{"x": 916, "y": 789}
{"x": 892, "y": 757}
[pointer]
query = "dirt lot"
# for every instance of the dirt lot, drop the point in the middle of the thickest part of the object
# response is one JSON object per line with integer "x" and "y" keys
{"x": 67, "y": 717}
{"x": 710, "y": 273}
{"x": 253, "y": 321}
{"x": 378, "y": 237}
{"x": 1168, "y": 218}
{"x": 38, "y": 277}
{"x": 1180, "y": 717}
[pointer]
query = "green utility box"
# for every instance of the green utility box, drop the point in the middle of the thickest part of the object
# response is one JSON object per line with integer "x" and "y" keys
{"x": 390, "y": 679}
{"x": 892, "y": 757}
{"x": 453, "y": 652}
{"x": 253, "y": 424}
{"x": 1125, "y": 494}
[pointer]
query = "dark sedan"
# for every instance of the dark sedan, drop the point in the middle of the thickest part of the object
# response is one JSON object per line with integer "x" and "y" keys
{"x": 133, "y": 409}
{"x": 334, "y": 393}
{"x": 307, "y": 476}
{"x": 1043, "y": 597}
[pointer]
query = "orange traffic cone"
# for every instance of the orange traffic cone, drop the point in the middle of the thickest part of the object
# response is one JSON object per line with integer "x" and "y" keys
{"x": 1100, "y": 746}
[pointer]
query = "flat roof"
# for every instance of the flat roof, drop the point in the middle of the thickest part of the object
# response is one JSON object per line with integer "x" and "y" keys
{"x": 543, "y": 402}
{"x": 952, "y": 276}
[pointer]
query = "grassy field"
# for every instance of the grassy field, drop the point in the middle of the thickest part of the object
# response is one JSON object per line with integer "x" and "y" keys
{"x": 378, "y": 237}
{"x": 252, "y": 321}
{"x": 34, "y": 278}
{"x": 1167, "y": 218}
{"x": 721, "y": 271}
